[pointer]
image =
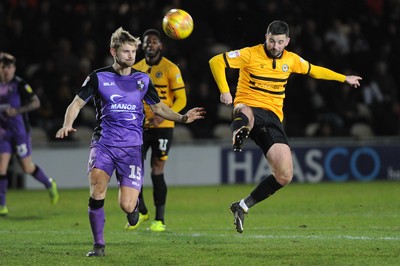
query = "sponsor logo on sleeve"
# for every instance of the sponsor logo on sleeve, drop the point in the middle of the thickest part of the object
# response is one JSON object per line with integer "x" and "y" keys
{"x": 234, "y": 54}
{"x": 303, "y": 61}
{"x": 178, "y": 78}
{"x": 86, "y": 81}
{"x": 28, "y": 88}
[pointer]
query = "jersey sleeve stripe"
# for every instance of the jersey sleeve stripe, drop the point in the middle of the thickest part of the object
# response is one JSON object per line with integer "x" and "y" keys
{"x": 226, "y": 61}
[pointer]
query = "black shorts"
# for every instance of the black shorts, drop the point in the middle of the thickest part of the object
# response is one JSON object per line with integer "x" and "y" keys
{"x": 160, "y": 140}
{"x": 267, "y": 130}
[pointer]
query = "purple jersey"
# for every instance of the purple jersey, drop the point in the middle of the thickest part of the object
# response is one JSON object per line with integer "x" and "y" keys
{"x": 118, "y": 102}
{"x": 16, "y": 93}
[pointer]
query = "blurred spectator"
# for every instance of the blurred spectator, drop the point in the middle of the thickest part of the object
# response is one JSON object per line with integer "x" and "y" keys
{"x": 348, "y": 106}
{"x": 203, "y": 95}
{"x": 311, "y": 40}
{"x": 302, "y": 93}
{"x": 337, "y": 35}
{"x": 54, "y": 39}
{"x": 380, "y": 94}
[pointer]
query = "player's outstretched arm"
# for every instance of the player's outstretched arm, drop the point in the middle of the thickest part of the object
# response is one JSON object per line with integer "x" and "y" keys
{"x": 164, "y": 111}
{"x": 70, "y": 115}
{"x": 319, "y": 72}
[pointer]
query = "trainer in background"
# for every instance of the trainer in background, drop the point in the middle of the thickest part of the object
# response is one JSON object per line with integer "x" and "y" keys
{"x": 17, "y": 99}
{"x": 118, "y": 92}
{"x": 258, "y": 106}
{"x": 158, "y": 133}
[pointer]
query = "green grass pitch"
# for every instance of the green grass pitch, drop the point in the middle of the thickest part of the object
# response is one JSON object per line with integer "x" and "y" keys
{"x": 350, "y": 223}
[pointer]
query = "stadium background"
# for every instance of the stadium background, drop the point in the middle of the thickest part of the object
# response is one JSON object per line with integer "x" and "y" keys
{"x": 57, "y": 43}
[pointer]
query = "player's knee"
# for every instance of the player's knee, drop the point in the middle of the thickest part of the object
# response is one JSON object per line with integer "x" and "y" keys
{"x": 127, "y": 206}
{"x": 284, "y": 177}
{"x": 241, "y": 107}
{"x": 157, "y": 170}
{"x": 157, "y": 166}
{"x": 29, "y": 168}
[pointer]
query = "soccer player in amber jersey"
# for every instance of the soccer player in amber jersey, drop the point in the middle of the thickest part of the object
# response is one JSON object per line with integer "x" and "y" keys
{"x": 118, "y": 92}
{"x": 158, "y": 133}
{"x": 17, "y": 99}
{"x": 264, "y": 70}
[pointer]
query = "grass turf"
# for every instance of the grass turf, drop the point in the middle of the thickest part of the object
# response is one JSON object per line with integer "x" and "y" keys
{"x": 302, "y": 224}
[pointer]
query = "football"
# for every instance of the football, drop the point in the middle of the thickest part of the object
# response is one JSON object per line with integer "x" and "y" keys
{"x": 177, "y": 24}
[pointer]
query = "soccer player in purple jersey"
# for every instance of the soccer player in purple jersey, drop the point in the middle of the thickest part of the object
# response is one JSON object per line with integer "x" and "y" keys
{"x": 118, "y": 91}
{"x": 17, "y": 99}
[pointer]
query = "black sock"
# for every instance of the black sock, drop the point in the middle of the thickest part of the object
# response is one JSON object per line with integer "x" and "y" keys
{"x": 160, "y": 210}
{"x": 142, "y": 205}
{"x": 159, "y": 195}
{"x": 133, "y": 217}
{"x": 264, "y": 189}
{"x": 250, "y": 201}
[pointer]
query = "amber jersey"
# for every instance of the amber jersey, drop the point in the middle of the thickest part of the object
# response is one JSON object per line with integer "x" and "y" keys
{"x": 262, "y": 80}
{"x": 167, "y": 79}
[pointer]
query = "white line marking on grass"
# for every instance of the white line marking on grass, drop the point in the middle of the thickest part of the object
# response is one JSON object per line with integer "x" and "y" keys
{"x": 332, "y": 237}
{"x": 40, "y": 232}
{"x": 386, "y": 238}
{"x": 244, "y": 235}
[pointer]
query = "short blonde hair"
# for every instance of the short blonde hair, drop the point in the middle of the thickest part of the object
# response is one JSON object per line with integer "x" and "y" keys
{"x": 121, "y": 36}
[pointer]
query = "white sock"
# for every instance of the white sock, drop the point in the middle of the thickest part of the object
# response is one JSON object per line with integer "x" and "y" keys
{"x": 244, "y": 206}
